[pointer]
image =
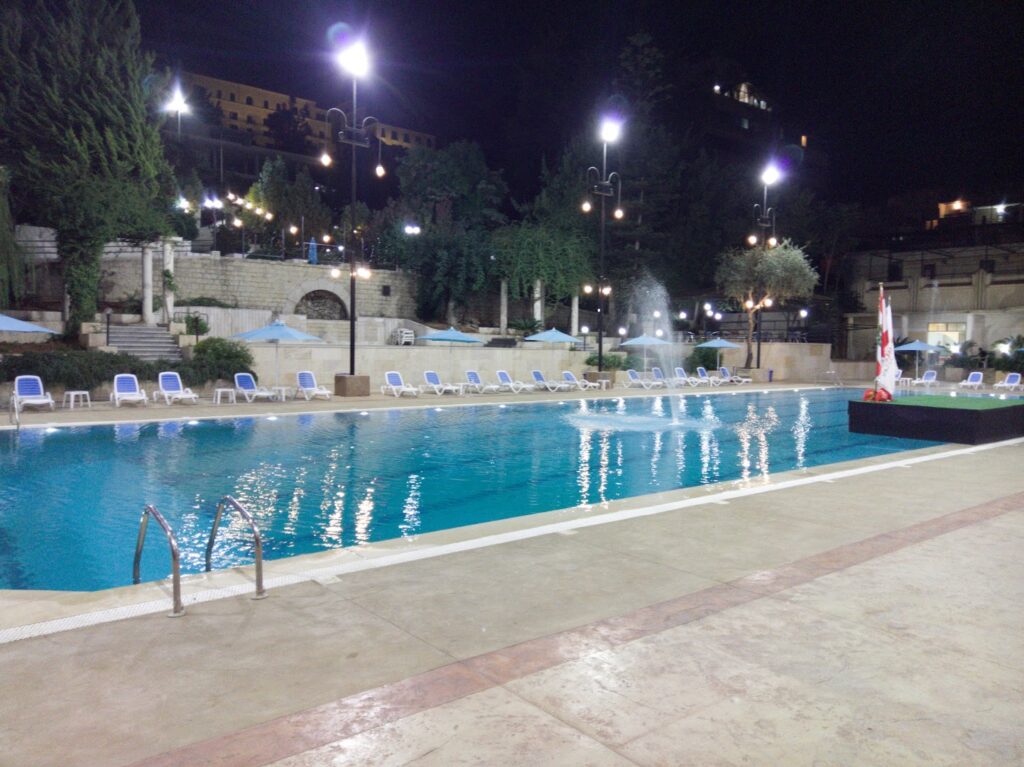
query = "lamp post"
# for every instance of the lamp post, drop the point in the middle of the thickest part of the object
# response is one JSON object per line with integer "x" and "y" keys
{"x": 355, "y": 60}
{"x": 764, "y": 219}
{"x": 604, "y": 185}
{"x": 178, "y": 105}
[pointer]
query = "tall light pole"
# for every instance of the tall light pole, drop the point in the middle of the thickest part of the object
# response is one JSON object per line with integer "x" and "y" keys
{"x": 604, "y": 185}
{"x": 178, "y": 105}
{"x": 355, "y": 60}
{"x": 764, "y": 219}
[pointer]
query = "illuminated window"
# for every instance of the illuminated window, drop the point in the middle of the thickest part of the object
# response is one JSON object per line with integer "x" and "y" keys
{"x": 803, "y": 141}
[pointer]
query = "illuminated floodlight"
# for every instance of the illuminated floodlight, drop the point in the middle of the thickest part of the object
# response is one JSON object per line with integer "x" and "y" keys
{"x": 412, "y": 229}
{"x": 326, "y": 238}
{"x": 335, "y": 272}
{"x": 803, "y": 314}
{"x": 749, "y": 303}
{"x": 682, "y": 315}
{"x": 772, "y": 242}
{"x": 707, "y": 307}
{"x": 771, "y": 174}
{"x": 611, "y": 129}
{"x": 325, "y": 160}
{"x": 622, "y": 331}
{"x": 363, "y": 272}
{"x": 619, "y": 213}
{"x": 585, "y": 329}
{"x": 177, "y": 104}
{"x": 293, "y": 229}
{"x": 588, "y": 289}
{"x": 659, "y": 332}
{"x": 586, "y": 206}
{"x": 355, "y": 59}
{"x": 709, "y": 313}
{"x": 606, "y": 290}
{"x": 752, "y": 240}
{"x": 1000, "y": 209}
{"x": 718, "y": 315}
{"x": 768, "y": 302}
{"x": 380, "y": 170}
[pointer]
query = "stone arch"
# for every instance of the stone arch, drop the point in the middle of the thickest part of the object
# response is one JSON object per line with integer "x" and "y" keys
{"x": 299, "y": 292}
{"x": 322, "y": 305}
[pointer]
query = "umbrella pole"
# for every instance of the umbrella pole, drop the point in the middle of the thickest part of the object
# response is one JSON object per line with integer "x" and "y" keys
{"x": 277, "y": 362}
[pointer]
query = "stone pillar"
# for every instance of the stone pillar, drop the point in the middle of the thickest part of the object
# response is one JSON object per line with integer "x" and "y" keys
{"x": 905, "y": 325}
{"x": 147, "y": 285}
{"x": 169, "y": 267}
{"x": 538, "y": 301}
{"x": 574, "y": 315}
{"x": 503, "y": 308}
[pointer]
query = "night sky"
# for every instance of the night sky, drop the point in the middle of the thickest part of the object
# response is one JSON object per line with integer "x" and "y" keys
{"x": 902, "y": 96}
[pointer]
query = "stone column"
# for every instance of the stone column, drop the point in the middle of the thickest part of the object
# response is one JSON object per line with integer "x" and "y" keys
{"x": 147, "y": 285}
{"x": 538, "y": 301}
{"x": 169, "y": 267}
{"x": 503, "y": 308}
{"x": 574, "y": 315}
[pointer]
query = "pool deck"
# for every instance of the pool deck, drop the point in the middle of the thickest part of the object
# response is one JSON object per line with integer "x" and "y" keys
{"x": 861, "y": 613}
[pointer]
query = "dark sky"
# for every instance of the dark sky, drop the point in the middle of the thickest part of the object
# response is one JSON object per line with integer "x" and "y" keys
{"x": 902, "y": 95}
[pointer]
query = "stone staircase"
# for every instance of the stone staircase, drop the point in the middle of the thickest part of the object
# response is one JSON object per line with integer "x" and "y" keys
{"x": 145, "y": 341}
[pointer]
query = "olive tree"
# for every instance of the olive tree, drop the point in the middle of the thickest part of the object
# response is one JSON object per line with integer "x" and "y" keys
{"x": 760, "y": 277}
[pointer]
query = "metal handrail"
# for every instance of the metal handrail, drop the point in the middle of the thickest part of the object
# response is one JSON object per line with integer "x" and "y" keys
{"x": 147, "y": 512}
{"x": 227, "y": 500}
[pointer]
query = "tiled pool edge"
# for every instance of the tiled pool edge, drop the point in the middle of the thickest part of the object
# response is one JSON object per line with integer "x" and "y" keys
{"x": 377, "y": 560}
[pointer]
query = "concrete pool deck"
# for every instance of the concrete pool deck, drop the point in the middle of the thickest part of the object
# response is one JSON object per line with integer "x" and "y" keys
{"x": 863, "y": 619}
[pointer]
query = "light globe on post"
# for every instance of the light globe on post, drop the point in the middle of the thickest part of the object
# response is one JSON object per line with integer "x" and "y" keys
{"x": 355, "y": 59}
{"x": 178, "y": 105}
{"x": 771, "y": 174}
{"x": 611, "y": 130}
{"x": 325, "y": 159}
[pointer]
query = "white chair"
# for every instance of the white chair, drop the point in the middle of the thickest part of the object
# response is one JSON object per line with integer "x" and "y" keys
{"x": 307, "y": 386}
{"x": 539, "y": 381}
{"x": 433, "y": 383}
{"x": 728, "y": 377}
{"x": 704, "y": 379}
{"x": 169, "y": 387}
{"x": 507, "y": 383}
{"x": 475, "y": 384}
{"x": 974, "y": 380}
{"x": 574, "y": 383}
{"x": 634, "y": 381}
{"x": 393, "y": 384}
{"x": 126, "y": 389}
{"x": 684, "y": 379}
{"x": 1010, "y": 383}
{"x": 929, "y": 379}
{"x": 29, "y": 392}
{"x": 658, "y": 375}
{"x": 246, "y": 385}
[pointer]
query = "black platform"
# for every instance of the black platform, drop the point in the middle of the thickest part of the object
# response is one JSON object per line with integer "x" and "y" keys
{"x": 941, "y": 424}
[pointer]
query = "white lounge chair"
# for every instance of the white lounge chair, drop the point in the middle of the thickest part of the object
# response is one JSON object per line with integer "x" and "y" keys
{"x": 1010, "y": 383}
{"x": 634, "y": 380}
{"x": 575, "y": 383}
{"x": 974, "y": 380}
{"x": 704, "y": 379}
{"x": 684, "y": 379}
{"x": 728, "y": 377}
{"x": 308, "y": 387}
{"x": 475, "y": 384}
{"x": 432, "y": 383}
{"x": 393, "y": 384}
{"x": 658, "y": 375}
{"x": 507, "y": 383}
{"x": 930, "y": 378}
{"x": 126, "y": 389}
{"x": 246, "y": 385}
{"x": 169, "y": 387}
{"x": 29, "y": 392}
{"x": 539, "y": 381}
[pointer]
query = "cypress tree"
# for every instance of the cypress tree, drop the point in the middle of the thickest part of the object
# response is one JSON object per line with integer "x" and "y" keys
{"x": 85, "y": 156}
{"x": 12, "y": 267}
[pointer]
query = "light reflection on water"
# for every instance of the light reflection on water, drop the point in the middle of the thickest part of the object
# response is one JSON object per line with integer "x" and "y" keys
{"x": 322, "y": 481}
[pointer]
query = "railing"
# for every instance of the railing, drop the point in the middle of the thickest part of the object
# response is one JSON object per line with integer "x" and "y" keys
{"x": 15, "y": 413}
{"x": 147, "y": 512}
{"x": 227, "y": 500}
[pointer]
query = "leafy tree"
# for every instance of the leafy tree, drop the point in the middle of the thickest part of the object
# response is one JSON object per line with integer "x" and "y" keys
{"x": 759, "y": 278}
{"x": 454, "y": 198}
{"x": 526, "y": 252}
{"x": 85, "y": 157}
{"x": 289, "y": 130}
{"x": 289, "y": 202}
{"x": 12, "y": 266}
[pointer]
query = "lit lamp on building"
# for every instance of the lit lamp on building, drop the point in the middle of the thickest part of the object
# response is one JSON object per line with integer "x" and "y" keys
{"x": 604, "y": 185}
{"x": 178, "y": 105}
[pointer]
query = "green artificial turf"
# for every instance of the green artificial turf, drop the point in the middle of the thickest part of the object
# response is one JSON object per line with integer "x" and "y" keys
{"x": 958, "y": 403}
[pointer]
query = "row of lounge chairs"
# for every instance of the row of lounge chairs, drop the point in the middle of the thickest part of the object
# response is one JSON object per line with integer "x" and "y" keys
{"x": 396, "y": 386}
{"x": 30, "y": 392}
{"x": 975, "y": 380}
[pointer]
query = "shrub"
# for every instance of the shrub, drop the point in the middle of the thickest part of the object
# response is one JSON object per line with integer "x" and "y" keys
{"x": 613, "y": 361}
{"x": 75, "y": 369}
{"x": 704, "y": 358}
{"x": 196, "y": 325}
{"x": 527, "y": 325}
{"x": 207, "y": 301}
{"x": 220, "y": 358}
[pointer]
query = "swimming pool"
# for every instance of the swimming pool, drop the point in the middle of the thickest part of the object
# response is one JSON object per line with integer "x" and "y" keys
{"x": 70, "y": 498}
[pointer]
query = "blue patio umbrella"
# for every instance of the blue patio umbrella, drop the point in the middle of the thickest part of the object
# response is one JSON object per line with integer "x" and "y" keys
{"x": 277, "y": 333}
{"x": 12, "y": 325}
{"x": 719, "y": 344}
{"x": 553, "y": 336}
{"x": 918, "y": 346}
{"x": 645, "y": 341}
{"x": 311, "y": 253}
{"x": 452, "y": 336}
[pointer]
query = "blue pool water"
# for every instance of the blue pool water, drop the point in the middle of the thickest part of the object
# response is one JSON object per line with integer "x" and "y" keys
{"x": 70, "y": 499}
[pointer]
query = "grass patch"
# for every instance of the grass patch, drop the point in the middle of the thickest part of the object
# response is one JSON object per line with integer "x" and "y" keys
{"x": 957, "y": 403}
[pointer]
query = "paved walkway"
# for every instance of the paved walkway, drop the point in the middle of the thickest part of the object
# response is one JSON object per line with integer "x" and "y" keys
{"x": 871, "y": 619}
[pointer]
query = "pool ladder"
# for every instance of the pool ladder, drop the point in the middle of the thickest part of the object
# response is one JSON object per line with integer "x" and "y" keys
{"x": 178, "y": 609}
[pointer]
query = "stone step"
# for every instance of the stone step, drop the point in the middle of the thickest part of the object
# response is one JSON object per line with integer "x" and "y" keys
{"x": 146, "y": 342}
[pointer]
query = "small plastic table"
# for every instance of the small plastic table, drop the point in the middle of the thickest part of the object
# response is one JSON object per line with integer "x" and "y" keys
{"x": 282, "y": 392}
{"x": 76, "y": 396}
{"x": 223, "y": 394}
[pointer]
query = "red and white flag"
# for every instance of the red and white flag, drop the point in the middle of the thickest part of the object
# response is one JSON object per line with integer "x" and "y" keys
{"x": 885, "y": 368}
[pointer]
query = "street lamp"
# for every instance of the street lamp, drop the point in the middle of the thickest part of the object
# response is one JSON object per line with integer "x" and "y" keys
{"x": 355, "y": 60}
{"x": 764, "y": 219}
{"x": 178, "y": 105}
{"x": 604, "y": 185}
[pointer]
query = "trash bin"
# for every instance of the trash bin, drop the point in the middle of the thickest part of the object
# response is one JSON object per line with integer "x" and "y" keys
{"x": 771, "y": 374}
